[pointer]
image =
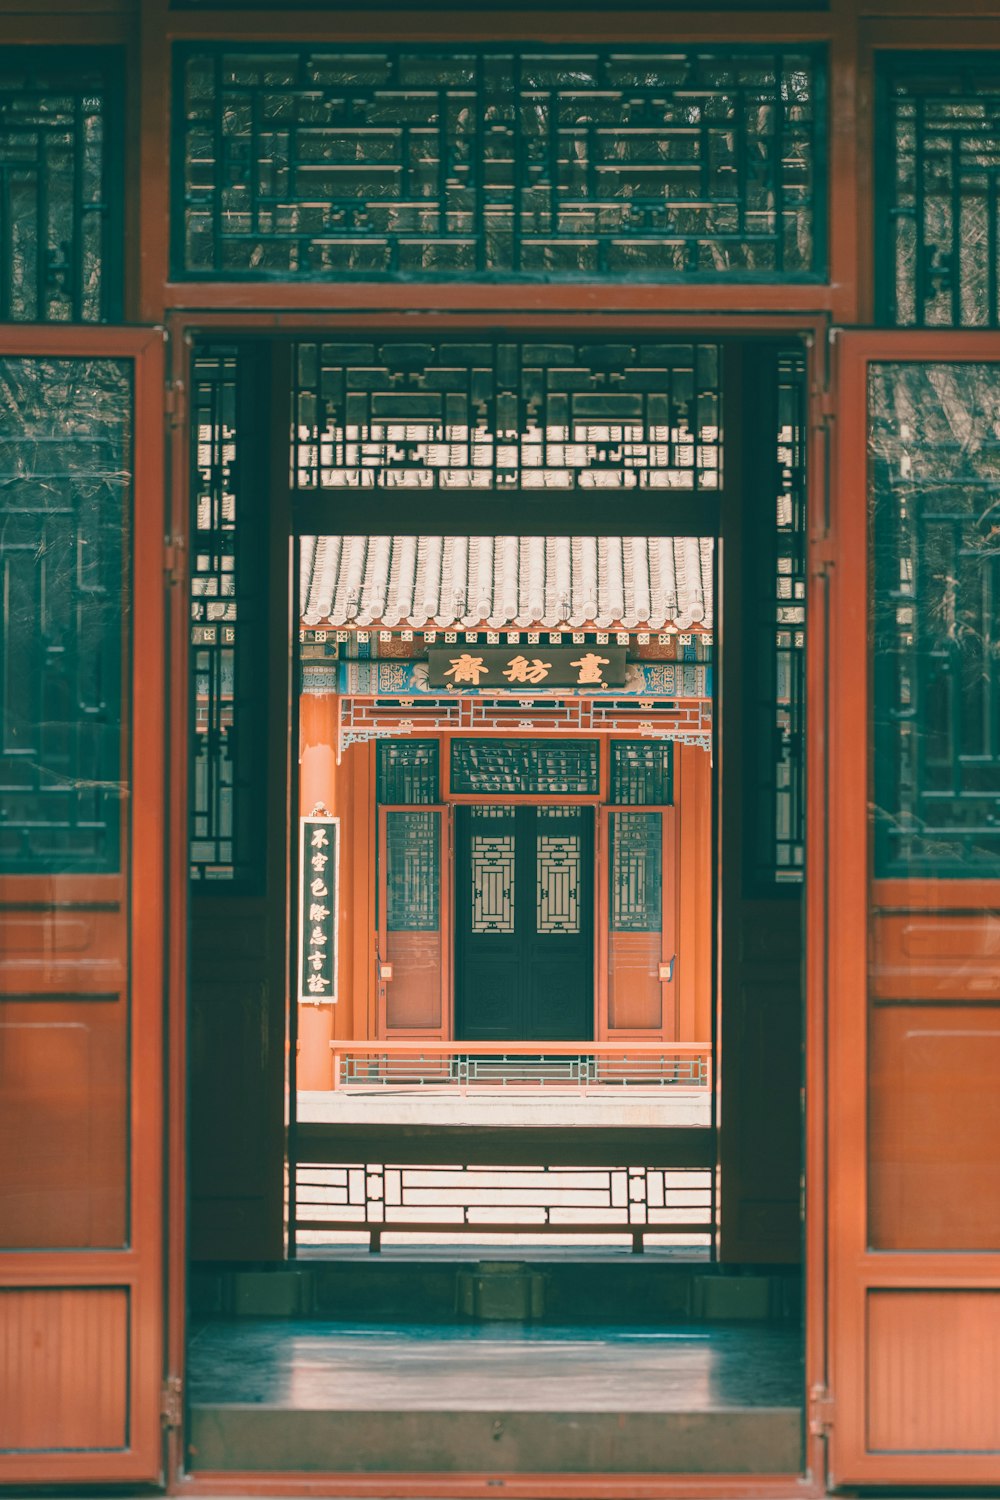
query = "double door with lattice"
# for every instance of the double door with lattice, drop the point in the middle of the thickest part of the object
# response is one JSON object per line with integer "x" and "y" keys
{"x": 524, "y": 923}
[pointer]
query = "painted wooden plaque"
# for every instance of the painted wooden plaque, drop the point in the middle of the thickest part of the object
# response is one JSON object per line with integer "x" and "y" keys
{"x": 319, "y": 890}
{"x": 526, "y": 667}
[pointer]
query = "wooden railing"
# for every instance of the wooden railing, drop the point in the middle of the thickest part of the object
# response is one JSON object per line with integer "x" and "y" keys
{"x": 466, "y": 1066}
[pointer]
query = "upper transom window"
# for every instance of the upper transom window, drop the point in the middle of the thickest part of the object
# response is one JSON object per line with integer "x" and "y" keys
{"x": 505, "y": 161}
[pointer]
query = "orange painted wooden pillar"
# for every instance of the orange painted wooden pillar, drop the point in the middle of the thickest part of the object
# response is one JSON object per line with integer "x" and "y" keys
{"x": 318, "y": 784}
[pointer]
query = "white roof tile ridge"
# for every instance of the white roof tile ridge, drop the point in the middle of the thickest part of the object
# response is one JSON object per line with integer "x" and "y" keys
{"x": 375, "y": 589}
{"x": 706, "y": 547}
{"x": 536, "y": 580}
{"x": 308, "y": 581}
{"x": 657, "y": 605}
{"x": 349, "y": 580}
{"x": 401, "y": 580}
{"x": 615, "y": 580}
{"x": 602, "y": 618}
{"x": 327, "y": 568}
{"x": 444, "y": 613}
{"x": 429, "y": 600}
{"x": 641, "y": 606}
{"x": 585, "y": 594}
{"x": 484, "y": 582}
{"x": 456, "y": 599}
{"x": 523, "y": 615}
{"x": 505, "y": 571}
{"x": 664, "y": 547}
{"x": 563, "y": 591}
{"x": 696, "y": 595}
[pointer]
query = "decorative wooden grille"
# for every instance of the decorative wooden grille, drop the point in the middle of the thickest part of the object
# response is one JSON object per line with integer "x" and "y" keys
{"x": 525, "y": 767}
{"x": 935, "y": 473}
{"x": 493, "y": 872}
{"x": 642, "y": 774}
{"x": 478, "y": 414}
{"x": 635, "y": 871}
{"x": 498, "y": 161}
{"x": 407, "y": 772}
{"x": 227, "y": 615}
{"x": 558, "y": 872}
{"x": 65, "y": 472}
{"x": 939, "y": 181}
{"x": 60, "y": 187}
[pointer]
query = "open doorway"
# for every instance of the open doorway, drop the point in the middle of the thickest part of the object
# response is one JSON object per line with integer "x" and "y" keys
{"x": 519, "y": 1049}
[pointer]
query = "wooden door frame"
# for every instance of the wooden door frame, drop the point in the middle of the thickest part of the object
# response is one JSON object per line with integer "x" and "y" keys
{"x": 854, "y": 1267}
{"x": 184, "y": 326}
{"x": 137, "y": 1266}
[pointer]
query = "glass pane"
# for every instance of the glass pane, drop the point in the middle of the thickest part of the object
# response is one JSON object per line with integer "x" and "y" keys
{"x": 642, "y": 774}
{"x": 525, "y": 767}
{"x": 65, "y": 469}
{"x": 536, "y": 162}
{"x": 60, "y": 225}
{"x": 938, "y": 193}
{"x": 635, "y": 994}
{"x": 934, "y": 1017}
{"x": 407, "y": 772}
{"x": 413, "y": 955}
{"x": 935, "y": 467}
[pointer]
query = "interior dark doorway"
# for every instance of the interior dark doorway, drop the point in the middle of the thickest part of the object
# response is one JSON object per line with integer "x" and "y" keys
{"x": 524, "y": 930}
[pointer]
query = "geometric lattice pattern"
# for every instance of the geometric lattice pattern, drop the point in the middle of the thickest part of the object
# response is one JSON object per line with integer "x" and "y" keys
{"x": 642, "y": 774}
{"x": 557, "y": 878}
{"x": 311, "y": 161}
{"x": 407, "y": 772}
{"x": 635, "y": 872}
{"x": 935, "y": 471}
{"x": 65, "y": 475}
{"x": 61, "y": 190}
{"x": 493, "y": 874}
{"x": 528, "y": 767}
{"x": 453, "y": 413}
{"x": 938, "y": 192}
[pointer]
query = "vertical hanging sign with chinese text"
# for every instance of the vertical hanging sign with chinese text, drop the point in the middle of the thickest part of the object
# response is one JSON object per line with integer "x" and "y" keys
{"x": 319, "y": 871}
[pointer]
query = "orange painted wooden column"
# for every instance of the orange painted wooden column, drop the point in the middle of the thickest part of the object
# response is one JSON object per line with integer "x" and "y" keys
{"x": 318, "y": 783}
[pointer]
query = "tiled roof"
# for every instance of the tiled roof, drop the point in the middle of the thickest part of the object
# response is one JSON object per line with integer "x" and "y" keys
{"x": 431, "y": 582}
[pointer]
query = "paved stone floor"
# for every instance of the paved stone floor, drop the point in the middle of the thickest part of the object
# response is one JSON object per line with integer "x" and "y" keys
{"x": 322, "y": 1365}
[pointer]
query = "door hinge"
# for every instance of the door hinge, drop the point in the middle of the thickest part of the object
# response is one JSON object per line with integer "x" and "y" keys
{"x": 173, "y": 559}
{"x": 172, "y": 1402}
{"x": 174, "y": 404}
{"x": 822, "y": 555}
{"x": 821, "y": 1408}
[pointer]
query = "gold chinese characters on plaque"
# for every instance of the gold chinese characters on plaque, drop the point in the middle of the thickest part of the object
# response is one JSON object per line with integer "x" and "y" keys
{"x": 532, "y": 668}
{"x": 319, "y": 872}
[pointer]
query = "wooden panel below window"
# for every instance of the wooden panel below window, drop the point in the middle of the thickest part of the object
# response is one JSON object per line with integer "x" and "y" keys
{"x": 936, "y": 956}
{"x": 635, "y": 991}
{"x": 934, "y": 1372}
{"x": 934, "y": 1127}
{"x": 63, "y": 1123}
{"x": 413, "y": 995}
{"x": 63, "y": 1368}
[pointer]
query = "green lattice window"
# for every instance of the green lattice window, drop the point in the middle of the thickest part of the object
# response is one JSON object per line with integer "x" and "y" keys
{"x": 413, "y": 871}
{"x": 642, "y": 774}
{"x": 407, "y": 772}
{"x": 935, "y": 472}
{"x": 635, "y": 871}
{"x": 506, "y": 768}
{"x": 60, "y": 187}
{"x": 65, "y": 474}
{"x": 499, "y": 161}
{"x": 939, "y": 170}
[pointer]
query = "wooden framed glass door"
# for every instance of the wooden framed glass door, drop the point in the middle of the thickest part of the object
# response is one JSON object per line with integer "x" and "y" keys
{"x": 82, "y": 904}
{"x": 914, "y": 891}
